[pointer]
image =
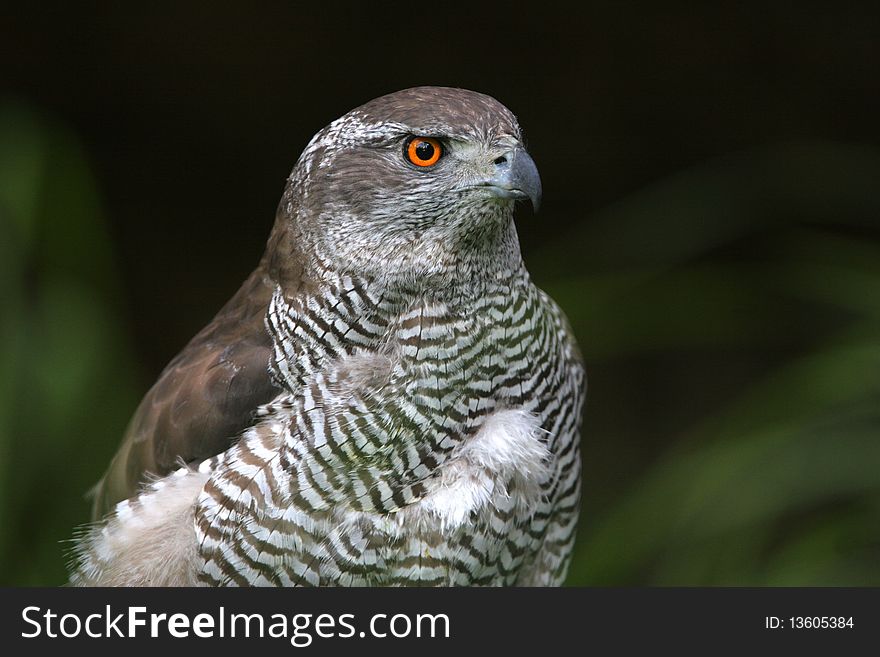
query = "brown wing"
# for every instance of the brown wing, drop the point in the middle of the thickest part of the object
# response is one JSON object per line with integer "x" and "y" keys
{"x": 202, "y": 400}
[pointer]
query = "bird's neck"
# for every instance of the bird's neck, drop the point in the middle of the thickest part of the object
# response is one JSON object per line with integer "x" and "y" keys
{"x": 437, "y": 261}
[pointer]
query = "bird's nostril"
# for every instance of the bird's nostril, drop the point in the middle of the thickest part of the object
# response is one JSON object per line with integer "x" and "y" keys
{"x": 500, "y": 160}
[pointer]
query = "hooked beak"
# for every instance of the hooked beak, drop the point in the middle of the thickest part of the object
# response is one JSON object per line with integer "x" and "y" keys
{"x": 516, "y": 177}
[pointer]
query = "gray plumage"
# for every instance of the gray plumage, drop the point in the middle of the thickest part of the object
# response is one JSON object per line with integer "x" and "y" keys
{"x": 410, "y": 402}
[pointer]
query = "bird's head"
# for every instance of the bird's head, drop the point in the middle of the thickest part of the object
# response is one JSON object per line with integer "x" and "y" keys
{"x": 416, "y": 180}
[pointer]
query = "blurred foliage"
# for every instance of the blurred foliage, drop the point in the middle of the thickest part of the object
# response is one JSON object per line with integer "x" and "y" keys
{"x": 67, "y": 383}
{"x": 729, "y": 316}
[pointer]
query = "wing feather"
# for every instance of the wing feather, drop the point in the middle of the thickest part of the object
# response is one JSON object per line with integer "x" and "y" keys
{"x": 203, "y": 399}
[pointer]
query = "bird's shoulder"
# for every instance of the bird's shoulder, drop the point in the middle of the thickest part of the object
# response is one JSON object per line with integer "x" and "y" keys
{"x": 203, "y": 398}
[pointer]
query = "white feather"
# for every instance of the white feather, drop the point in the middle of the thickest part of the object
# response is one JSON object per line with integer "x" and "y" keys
{"x": 150, "y": 542}
{"x": 506, "y": 450}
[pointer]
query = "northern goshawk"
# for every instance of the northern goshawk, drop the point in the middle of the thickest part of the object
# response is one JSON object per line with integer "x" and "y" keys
{"x": 387, "y": 400}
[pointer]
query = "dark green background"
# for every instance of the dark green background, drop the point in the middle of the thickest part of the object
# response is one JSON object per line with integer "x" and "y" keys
{"x": 711, "y": 224}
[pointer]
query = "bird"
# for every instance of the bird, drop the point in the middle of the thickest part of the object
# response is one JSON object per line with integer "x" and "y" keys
{"x": 388, "y": 400}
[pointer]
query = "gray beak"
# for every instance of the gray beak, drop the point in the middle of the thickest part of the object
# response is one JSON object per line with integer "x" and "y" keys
{"x": 516, "y": 176}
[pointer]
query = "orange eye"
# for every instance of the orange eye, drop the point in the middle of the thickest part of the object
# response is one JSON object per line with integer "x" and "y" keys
{"x": 423, "y": 151}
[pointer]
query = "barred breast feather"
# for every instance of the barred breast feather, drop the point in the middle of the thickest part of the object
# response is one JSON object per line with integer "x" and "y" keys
{"x": 422, "y": 442}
